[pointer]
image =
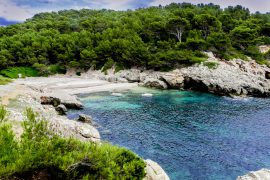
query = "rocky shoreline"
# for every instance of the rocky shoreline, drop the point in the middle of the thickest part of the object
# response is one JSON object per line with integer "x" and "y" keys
{"x": 47, "y": 101}
{"x": 225, "y": 78}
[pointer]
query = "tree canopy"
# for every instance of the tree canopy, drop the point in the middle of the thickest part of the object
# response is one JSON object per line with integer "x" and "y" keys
{"x": 154, "y": 37}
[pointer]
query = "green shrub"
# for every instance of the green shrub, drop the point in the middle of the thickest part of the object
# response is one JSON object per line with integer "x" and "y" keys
{"x": 4, "y": 80}
{"x": 3, "y": 114}
{"x": 211, "y": 65}
{"x": 39, "y": 148}
{"x": 108, "y": 65}
{"x": 46, "y": 70}
{"x": 24, "y": 71}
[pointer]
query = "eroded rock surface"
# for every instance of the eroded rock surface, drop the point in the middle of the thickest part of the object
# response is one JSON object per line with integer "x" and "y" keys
{"x": 263, "y": 174}
{"x": 154, "y": 171}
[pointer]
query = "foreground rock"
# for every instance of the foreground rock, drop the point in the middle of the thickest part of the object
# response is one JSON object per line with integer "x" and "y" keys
{"x": 154, "y": 171}
{"x": 263, "y": 174}
{"x": 61, "y": 109}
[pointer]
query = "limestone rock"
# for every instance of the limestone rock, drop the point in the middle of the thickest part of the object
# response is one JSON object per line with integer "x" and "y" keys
{"x": 61, "y": 109}
{"x": 48, "y": 100}
{"x": 154, "y": 171}
{"x": 155, "y": 83}
{"x": 88, "y": 131}
{"x": 233, "y": 78}
{"x": 85, "y": 118}
{"x": 175, "y": 80}
{"x": 263, "y": 174}
{"x": 69, "y": 101}
{"x": 132, "y": 75}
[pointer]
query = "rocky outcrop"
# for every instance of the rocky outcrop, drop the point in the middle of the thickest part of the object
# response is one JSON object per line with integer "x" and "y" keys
{"x": 264, "y": 48}
{"x": 47, "y": 100}
{"x": 69, "y": 101}
{"x": 263, "y": 174}
{"x": 85, "y": 119}
{"x": 154, "y": 171}
{"x": 155, "y": 83}
{"x": 61, "y": 109}
{"x": 229, "y": 78}
{"x": 175, "y": 79}
{"x": 132, "y": 75}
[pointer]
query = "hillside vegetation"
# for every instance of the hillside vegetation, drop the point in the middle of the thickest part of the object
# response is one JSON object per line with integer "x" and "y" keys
{"x": 41, "y": 153}
{"x": 157, "y": 37}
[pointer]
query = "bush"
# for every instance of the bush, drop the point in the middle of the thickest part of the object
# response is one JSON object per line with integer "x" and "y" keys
{"x": 108, "y": 65}
{"x": 211, "y": 65}
{"x": 24, "y": 71}
{"x": 46, "y": 70}
{"x": 4, "y": 80}
{"x": 40, "y": 149}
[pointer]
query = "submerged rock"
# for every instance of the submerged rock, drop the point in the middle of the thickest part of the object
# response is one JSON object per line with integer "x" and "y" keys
{"x": 263, "y": 174}
{"x": 154, "y": 171}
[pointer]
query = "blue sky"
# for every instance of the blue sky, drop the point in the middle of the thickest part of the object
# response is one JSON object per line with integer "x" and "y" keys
{"x": 18, "y": 10}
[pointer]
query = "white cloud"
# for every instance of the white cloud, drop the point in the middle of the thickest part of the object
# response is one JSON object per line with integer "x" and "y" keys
{"x": 253, "y": 5}
{"x": 11, "y": 11}
{"x": 111, "y": 4}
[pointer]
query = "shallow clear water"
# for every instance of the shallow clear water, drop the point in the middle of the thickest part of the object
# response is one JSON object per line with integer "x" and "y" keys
{"x": 191, "y": 135}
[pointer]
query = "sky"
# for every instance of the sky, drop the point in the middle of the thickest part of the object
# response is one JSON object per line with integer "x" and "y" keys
{"x": 12, "y": 11}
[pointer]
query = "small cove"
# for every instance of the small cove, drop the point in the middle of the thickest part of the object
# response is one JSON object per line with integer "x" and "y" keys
{"x": 191, "y": 135}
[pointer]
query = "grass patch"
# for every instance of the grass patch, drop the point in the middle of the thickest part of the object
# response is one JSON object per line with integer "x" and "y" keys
{"x": 4, "y": 80}
{"x": 40, "y": 149}
{"x": 13, "y": 72}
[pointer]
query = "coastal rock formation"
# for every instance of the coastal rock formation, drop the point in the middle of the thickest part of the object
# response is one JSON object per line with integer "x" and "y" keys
{"x": 229, "y": 78}
{"x": 155, "y": 83}
{"x": 154, "y": 171}
{"x": 61, "y": 109}
{"x": 47, "y": 100}
{"x": 69, "y": 101}
{"x": 263, "y": 174}
{"x": 132, "y": 75}
{"x": 175, "y": 79}
{"x": 85, "y": 119}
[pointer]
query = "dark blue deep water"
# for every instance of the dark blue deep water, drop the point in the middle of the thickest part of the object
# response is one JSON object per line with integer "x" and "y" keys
{"x": 191, "y": 135}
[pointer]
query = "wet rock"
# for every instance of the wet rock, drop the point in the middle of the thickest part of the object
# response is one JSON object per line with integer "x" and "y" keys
{"x": 154, "y": 171}
{"x": 61, "y": 109}
{"x": 155, "y": 83}
{"x": 85, "y": 118}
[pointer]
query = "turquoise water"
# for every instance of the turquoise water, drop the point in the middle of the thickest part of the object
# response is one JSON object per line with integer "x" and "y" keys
{"x": 191, "y": 135}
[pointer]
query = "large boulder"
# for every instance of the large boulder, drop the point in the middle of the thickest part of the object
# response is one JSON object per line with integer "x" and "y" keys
{"x": 61, "y": 109}
{"x": 154, "y": 171}
{"x": 132, "y": 75}
{"x": 69, "y": 101}
{"x": 174, "y": 80}
{"x": 155, "y": 83}
{"x": 87, "y": 131}
{"x": 49, "y": 100}
{"x": 263, "y": 174}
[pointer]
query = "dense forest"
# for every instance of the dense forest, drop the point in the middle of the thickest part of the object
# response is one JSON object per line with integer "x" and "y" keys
{"x": 156, "y": 37}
